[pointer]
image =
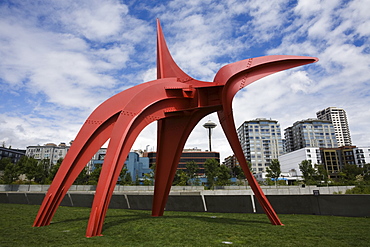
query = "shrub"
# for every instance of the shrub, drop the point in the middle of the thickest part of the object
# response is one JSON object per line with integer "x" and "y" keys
{"x": 359, "y": 189}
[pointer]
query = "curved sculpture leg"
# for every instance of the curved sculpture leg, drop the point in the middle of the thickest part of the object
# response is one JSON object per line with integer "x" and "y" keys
{"x": 172, "y": 135}
{"x": 227, "y": 123}
{"x": 171, "y": 141}
{"x": 236, "y": 76}
{"x": 118, "y": 149}
{"x": 84, "y": 147}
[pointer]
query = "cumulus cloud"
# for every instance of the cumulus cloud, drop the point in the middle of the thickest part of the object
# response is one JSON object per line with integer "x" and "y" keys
{"x": 62, "y": 61}
{"x": 268, "y": 18}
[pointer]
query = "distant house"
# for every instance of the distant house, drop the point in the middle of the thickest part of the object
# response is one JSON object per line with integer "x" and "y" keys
{"x": 136, "y": 165}
{"x": 13, "y": 154}
{"x": 189, "y": 155}
{"x": 48, "y": 151}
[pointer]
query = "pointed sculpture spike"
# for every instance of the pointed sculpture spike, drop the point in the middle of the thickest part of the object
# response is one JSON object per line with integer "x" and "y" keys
{"x": 166, "y": 66}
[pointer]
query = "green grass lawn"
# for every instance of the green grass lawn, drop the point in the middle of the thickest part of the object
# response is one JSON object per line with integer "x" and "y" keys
{"x": 138, "y": 228}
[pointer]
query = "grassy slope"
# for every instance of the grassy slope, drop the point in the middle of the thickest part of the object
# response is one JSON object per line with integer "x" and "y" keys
{"x": 138, "y": 228}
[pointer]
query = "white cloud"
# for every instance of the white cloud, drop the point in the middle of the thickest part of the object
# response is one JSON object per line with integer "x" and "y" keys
{"x": 201, "y": 33}
{"x": 358, "y": 15}
{"x": 268, "y": 17}
{"x": 308, "y": 8}
{"x": 149, "y": 75}
{"x": 96, "y": 19}
{"x": 22, "y": 131}
{"x": 64, "y": 66}
{"x": 331, "y": 32}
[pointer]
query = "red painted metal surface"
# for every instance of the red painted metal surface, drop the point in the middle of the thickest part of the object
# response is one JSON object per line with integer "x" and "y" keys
{"x": 178, "y": 102}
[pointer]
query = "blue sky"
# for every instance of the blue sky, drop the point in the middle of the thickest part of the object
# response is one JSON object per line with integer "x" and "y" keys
{"x": 61, "y": 59}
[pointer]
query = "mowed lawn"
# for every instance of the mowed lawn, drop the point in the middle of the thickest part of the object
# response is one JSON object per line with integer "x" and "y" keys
{"x": 138, "y": 228}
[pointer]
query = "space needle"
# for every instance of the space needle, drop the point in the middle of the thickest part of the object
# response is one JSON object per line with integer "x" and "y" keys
{"x": 209, "y": 125}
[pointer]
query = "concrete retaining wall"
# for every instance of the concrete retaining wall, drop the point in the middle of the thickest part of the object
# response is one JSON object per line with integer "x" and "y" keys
{"x": 338, "y": 205}
{"x": 225, "y": 190}
{"x": 37, "y": 188}
{"x": 229, "y": 203}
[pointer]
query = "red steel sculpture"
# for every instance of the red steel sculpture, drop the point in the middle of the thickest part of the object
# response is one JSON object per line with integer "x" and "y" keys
{"x": 177, "y": 102}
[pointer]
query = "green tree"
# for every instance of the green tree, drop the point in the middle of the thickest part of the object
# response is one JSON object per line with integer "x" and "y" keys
{"x": 11, "y": 173}
{"x": 274, "y": 171}
{"x": 238, "y": 173}
{"x": 366, "y": 173}
{"x": 181, "y": 178}
{"x": 53, "y": 170}
{"x": 128, "y": 179}
{"x": 268, "y": 181}
{"x": 322, "y": 173}
{"x": 42, "y": 171}
{"x": 94, "y": 175}
{"x": 125, "y": 177}
{"x": 191, "y": 170}
{"x": 122, "y": 176}
{"x": 137, "y": 181}
{"x": 148, "y": 179}
{"x": 350, "y": 173}
{"x": 211, "y": 169}
{"x": 153, "y": 167}
{"x": 223, "y": 176}
{"x": 308, "y": 172}
{"x": 30, "y": 168}
{"x": 84, "y": 178}
{"x": 4, "y": 162}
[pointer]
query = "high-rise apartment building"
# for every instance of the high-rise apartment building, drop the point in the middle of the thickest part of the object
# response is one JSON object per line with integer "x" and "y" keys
{"x": 261, "y": 142}
{"x": 310, "y": 133}
{"x": 339, "y": 119}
